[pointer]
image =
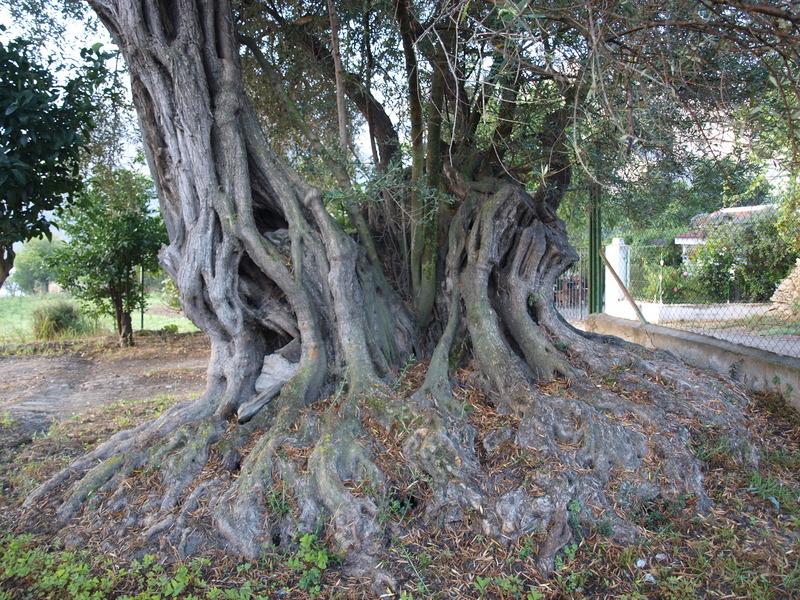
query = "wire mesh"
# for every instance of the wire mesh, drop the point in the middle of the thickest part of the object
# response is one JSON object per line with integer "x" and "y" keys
{"x": 732, "y": 276}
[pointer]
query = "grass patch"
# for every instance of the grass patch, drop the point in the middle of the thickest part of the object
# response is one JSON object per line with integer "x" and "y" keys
{"x": 784, "y": 498}
{"x": 16, "y": 316}
{"x": 18, "y": 319}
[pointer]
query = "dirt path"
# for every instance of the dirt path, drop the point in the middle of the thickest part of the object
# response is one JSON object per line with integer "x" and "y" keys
{"x": 37, "y": 389}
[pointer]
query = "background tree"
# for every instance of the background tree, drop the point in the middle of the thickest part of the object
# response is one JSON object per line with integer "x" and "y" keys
{"x": 112, "y": 234}
{"x": 666, "y": 197}
{"x": 44, "y": 128}
{"x": 32, "y": 273}
{"x": 310, "y": 321}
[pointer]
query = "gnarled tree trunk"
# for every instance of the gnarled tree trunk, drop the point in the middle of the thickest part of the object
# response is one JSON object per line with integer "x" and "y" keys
{"x": 306, "y": 345}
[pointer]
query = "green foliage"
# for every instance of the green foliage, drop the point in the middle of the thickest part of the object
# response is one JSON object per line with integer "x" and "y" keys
{"x": 569, "y": 552}
{"x": 51, "y": 574}
{"x": 311, "y": 560}
{"x": 713, "y": 448}
{"x": 678, "y": 588}
{"x": 56, "y": 319}
{"x": 742, "y": 261}
{"x": 657, "y": 270}
{"x": 574, "y": 512}
{"x": 393, "y": 505}
{"x": 509, "y": 585}
{"x": 31, "y": 271}
{"x": 574, "y": 581}
{"x": 113, "y": 232}
{"x": 781, "y": 496}
{"x": 399, "y": 384}
{"x": 170, "y": 294}
{"x": 789, "y": 218}
{"x": 482, "y": 585}
{"x": 278, "y": 503}
{"x": 44, "y": 128}
{"x": 658, "y": 514}
{"x": 783, "y": 458}
{"x": 36, "y": 571}
{"x": 669, "y": 193}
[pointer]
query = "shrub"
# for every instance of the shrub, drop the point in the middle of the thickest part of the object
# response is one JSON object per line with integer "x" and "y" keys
{"x": 658, "y": 275}
{"x": 742, "y": 262}
{"x": 55, "y": 320}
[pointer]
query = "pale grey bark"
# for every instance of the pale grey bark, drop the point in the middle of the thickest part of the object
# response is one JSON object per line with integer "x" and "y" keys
{"x": 273, "y": 280}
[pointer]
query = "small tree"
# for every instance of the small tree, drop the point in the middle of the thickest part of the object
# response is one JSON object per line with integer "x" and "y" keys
{"x": 44, "y": 128}
{"x": 112, "y": 232}
{"x": 32, "y": 271}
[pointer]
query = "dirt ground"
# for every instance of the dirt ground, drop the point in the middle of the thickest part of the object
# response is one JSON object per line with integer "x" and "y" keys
{"x": 40, "y": 384}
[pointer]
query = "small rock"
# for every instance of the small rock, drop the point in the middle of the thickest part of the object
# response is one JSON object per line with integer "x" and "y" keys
{"x": 649, "y": 578}
{"x": 661, "y": 557}
{"x": 641, "y": 563}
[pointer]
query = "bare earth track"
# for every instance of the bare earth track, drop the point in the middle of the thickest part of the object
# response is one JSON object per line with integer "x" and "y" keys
{"x": 42, "y": 386}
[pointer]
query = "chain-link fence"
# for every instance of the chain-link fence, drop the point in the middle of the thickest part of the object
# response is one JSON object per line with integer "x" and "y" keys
{"x": 732, "y": 276}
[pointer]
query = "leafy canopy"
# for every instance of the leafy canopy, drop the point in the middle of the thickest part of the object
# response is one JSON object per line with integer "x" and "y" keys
{"x": 44, "y": 127}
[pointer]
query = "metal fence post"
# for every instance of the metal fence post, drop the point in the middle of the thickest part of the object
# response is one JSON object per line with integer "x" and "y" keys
{"x": 596, "y": 268}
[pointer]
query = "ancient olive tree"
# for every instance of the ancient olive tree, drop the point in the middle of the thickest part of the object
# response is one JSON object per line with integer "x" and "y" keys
{"x": 444, "y": 254}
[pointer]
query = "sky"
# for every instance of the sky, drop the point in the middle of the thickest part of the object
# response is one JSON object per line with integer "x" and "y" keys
{"x": 68, "y": 45}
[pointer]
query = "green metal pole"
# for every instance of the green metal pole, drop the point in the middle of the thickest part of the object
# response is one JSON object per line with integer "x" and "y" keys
{"x": 141, "y": 308}
{"x": 596, "y": 269}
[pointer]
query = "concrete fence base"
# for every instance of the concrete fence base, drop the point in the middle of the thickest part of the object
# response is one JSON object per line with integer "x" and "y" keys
{"x": 757, "y": 369}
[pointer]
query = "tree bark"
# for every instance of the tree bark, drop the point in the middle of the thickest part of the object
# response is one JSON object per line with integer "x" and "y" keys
{"x": 306, "y": 344}
{"x": 6, "y": 263}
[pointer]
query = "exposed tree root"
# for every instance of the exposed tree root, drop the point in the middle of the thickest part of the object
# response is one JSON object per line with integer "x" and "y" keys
{"x": 551, "y": 430}
{"x": 579, "y": 455}
{"x": 543, "y": 429}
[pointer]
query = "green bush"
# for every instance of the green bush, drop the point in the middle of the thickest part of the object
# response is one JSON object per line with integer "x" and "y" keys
{"x": 678, "y": 287}
{"x": 658, "y": 275}
{"x": 55, "y": 320}
{"x": 742, "y": 262}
